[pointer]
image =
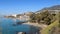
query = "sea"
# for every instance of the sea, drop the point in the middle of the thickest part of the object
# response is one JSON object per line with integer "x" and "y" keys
{"x": 9, "y": 26}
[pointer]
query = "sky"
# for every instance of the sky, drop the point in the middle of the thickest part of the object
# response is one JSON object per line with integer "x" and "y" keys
{"x": 8, "y": 7}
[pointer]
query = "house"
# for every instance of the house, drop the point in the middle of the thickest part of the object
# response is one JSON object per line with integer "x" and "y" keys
{"x": 13, "y": 15}
{"x": 53, "y": 11}
{"x": 23, "y": 17}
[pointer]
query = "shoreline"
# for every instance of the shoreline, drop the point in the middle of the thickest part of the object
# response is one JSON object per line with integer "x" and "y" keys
{"x": 37, "y": 25}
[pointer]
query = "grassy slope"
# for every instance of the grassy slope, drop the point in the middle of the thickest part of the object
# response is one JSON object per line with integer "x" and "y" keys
{"x": 46, "y": 30}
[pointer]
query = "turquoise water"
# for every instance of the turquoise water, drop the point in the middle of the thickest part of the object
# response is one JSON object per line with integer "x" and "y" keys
{"x": 8, "y": 28}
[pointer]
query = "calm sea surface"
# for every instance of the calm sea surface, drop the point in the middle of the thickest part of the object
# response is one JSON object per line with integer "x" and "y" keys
{"x": 6, "y": 26}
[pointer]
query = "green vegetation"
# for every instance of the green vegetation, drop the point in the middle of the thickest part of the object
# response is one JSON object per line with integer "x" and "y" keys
{"x": 47, "y": 30}
{"x": 59, "y": 19}
{"x": 44, "y": 16}
{"x": 53, "y": 27}
{"x": 52, "y": 20}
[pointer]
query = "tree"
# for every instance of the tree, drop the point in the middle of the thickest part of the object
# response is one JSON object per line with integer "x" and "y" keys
{"x": 32, "y": 17}
{"x": 43, "y": 16}
{"x": 37, "y": 17}
{"x": 46, "y": 17}
{"x": 59, "y": 19}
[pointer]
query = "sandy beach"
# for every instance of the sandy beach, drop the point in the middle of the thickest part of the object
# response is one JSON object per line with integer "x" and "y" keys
{"x": 37, "y": 25}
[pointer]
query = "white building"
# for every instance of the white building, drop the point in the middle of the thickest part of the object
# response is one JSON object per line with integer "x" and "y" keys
{"x": 23, "y": 17}
{"x": 54, "y": 11}
{"x": 13, "y": 15}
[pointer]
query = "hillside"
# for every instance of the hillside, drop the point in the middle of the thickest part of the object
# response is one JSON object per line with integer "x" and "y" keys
{"x": 55, "y": 7}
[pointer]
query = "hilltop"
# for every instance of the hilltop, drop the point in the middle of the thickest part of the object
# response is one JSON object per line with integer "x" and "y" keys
{"x": 55, "y": 7}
